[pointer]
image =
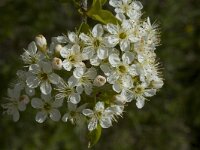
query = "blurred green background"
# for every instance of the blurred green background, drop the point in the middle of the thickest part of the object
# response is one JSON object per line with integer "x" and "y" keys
{"x": 171, "y": 121}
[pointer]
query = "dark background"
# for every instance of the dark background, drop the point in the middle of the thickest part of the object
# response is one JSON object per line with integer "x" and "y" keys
{"x": 171, "y": 121}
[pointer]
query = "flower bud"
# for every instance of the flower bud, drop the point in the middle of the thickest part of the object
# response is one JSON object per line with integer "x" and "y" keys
{"x": 41, "y": 42}
{"x": 58, "y": 49}
{"x": 99, "y": 81}
{"x": 57, "y": 63}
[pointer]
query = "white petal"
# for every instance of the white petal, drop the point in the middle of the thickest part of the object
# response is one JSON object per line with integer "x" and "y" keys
{"x": 106, "y": 69}
{"x": 65, "y": 117}
{"x": 137, "y": 5}
{"x": 78, "y": 72}
{"x": 88, "y": 112}
{"x": 57, "y": 103}
{"x": 55, "y": 115}
{"x": 92, "y": 124}
{"x": 75, "y": 98}
{"x": 114, "y": 60}
{"x": 45, "y": 87}
{"x": 35, "y": 68}
{"x": 140, "y": 103}
{"x": 128, "y": 57}
{"x": 105, "y": 122}
{"x": 125, "y": 45}
{"x": 113, "y": 29}
{"x": 72, "y": 37}
{"x": 102, "y": 53}
{"x": 65, "y": 52}
{"x": 46, "y": 67}
{"x": 15, "y": 115}
{"x": 115, "y": 3}
{"x": 37, "y": 103}
{"x": 71, "y": 106}
{"x": 97, "y": 31}
{"x": 54, "y": 78}
{"x": 29, "y": 91}
{"x": 72, "y": 81}
{"x": 41, "y": 116}
{"x": 67, "y": 65}
{"x": 133, "y": 70}
{"x": 32, "y": 81}
{"x": 85, "y": 38}
{"x": 116, "y": 87}
{"x": 99, "y": 106}
{"x": 88, "y": 88}
{"x": 75, "y": 49}
{"x": 79, "y": 89}
{"x": 91, "y": 73}
{"x": 113, "y": 40}
{"x": 149, "y": 92}
{"x": 95, "y": 61}
{"x": 88, "y": 52}
{"x": 32, "y": 48}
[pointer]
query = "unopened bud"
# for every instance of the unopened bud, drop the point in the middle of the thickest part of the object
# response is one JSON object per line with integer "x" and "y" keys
{"x": 99, "y": 81}
{"x": 57, "y": 63}
{"x": 58, "y": 49}
{"x": 41, "y": 42}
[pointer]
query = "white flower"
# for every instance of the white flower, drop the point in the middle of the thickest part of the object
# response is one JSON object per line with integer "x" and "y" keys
{"x": 121, "y": 35}
{"x": 31, "y": 55}
{"x": 74, "y": 114}
{"x": 119, "y": 73}
{"x": 42, "y": 74}
{"x": 57, "y": 49}
{"x": 139, "y": 93}
{"x": 41, "y": 42}
{"x": 47, "y": 106}
{"x": 57, "y": 63}
{"x": 83, "y": 79}
{"x": 98, "y": 115}
{"x": 22, "y": 75}
{"x": 17, "y": 102}
{"x": 128, "y": 7}
{"x": 66, "y": 90}
{"x": 73, "y": 57}
{"x": 95, "y": 45}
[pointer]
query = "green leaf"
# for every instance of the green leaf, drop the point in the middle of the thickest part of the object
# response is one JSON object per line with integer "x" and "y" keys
{"x": 103, "y": 16}
{"x": 103, "y": 2}
{"x": 84, "y": 27}
{"x": 94, "y": 136}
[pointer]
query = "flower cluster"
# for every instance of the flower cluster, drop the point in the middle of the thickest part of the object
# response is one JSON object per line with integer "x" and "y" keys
{"x": 92, "y": 75}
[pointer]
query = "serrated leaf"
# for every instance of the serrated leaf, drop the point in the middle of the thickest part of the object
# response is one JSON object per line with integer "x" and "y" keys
{"x": 104, "y": 16}
{"x": 94, "y": 136}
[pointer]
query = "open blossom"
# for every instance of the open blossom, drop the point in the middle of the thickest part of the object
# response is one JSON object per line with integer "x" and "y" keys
{"x": 31, "y": 55}
{"x": 96, "y": 46}
{"x": 74, "y": 114}
{"x": 67, "y": 91}
{"x": 83, "y": 79}
{"x": 98, "y": 115}
{"x": 72, "y": 56}
{"x": 43, "y": 76}
{"x": 47, "y": 107}
{"x": 17, "y": 102}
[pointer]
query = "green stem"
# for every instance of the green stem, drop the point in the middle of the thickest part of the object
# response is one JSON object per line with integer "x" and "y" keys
{"x": 84, "y": 8}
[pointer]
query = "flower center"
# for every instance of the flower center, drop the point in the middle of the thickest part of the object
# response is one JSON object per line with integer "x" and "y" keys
{"x": 96, "y": 43}
{"x": 47, "y": 106}
{"x": 72, "y": 58}
{"x": 138, "y": 90}
{"x": 43, "y": 76}
{"x": 122, "y": 35}
{"x": 122, "y": 69}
